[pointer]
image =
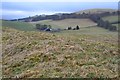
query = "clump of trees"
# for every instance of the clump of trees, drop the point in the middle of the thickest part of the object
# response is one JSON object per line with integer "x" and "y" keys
{"x": 106, "y": 25}
{"x": 69, "y": 28}
{"x": 43, "y": 27}
{"x": 101, "y": 23}
{"x": 76, "y": 28}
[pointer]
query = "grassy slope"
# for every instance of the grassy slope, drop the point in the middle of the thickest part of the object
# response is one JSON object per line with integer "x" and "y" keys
{"x": 67, "y": 54}
{"x": 47, "y": 22}
{"x": 24, "y": 26}
{"x": 68, "y": 22}
{"x": 92, "y": 30}
{"x": 97, "y": 10}
{"x": 110, "y": 18}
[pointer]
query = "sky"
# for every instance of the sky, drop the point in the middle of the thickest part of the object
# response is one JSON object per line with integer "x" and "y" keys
{"x": 14, "y": 10}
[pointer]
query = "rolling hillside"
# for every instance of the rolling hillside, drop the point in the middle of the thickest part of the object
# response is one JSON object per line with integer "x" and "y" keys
{"x": 24, "y": 26}
{"x": 97, "y": 10}
{"x": 63, "y": 24}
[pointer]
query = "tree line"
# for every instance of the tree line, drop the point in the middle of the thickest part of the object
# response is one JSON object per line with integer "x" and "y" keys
{"x": 75, "y": 28}
{"x": 104, "y": 24}
{"x": 65, "y": 16}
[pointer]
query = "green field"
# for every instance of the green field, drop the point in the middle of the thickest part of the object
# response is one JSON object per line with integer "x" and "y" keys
{"x": 92, "y": 30}
{"x": 24, "y": 26}
{"x": 111, "y": 19}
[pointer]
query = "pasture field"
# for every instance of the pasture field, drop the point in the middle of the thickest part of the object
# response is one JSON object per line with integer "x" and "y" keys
{"x": 86, "y": 53}
{"x": 63, "y": 24}
{"x": 92, "y": 30}
{"x": 111, "y": 19}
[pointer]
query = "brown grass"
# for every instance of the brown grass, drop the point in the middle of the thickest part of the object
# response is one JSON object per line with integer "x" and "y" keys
{"x": 39, "y": 54}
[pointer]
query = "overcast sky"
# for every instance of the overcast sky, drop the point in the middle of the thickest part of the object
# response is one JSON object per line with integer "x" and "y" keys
{"x": 12, "y": 10}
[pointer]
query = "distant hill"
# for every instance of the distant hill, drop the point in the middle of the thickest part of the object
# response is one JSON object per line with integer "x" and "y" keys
{"x": 97, "y": 10}
{"x": 65, "y": 20}
{"x": 62, "y": 16}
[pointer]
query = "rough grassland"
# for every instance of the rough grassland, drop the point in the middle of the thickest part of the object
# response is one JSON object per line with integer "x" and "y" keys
{"x": 39, "y": 54}
{"x": 68, "y": 22}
